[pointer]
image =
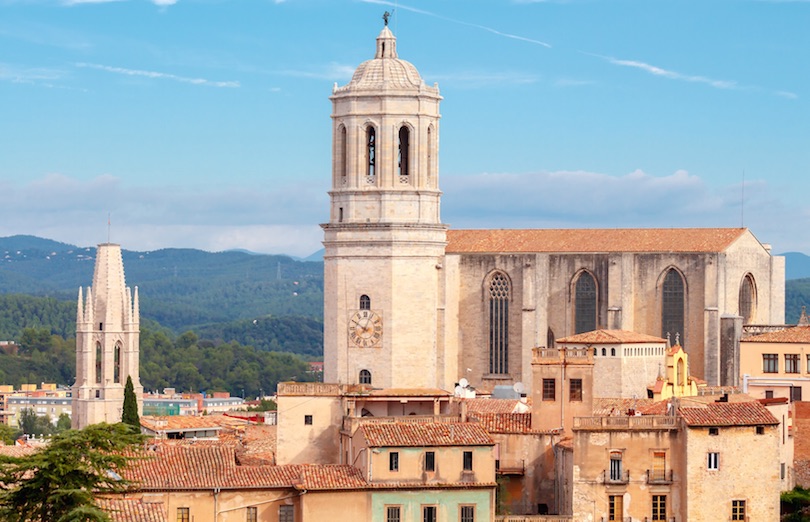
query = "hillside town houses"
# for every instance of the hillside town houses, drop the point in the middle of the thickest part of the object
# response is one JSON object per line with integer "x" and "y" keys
{"x": 475, "y": 375}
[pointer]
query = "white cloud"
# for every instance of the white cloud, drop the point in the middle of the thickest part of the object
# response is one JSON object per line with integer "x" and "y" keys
{"x": 665, "y": 73}
{"x": 331, "y": 71}
{"x": 164, "y": 3}
{"x": 277, "y": 218}
{"x": 158, "y": 75}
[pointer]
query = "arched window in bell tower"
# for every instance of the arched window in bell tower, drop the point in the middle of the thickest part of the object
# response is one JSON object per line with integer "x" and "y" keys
{"x": 365, "y": 302}
{"x": 499, "y": 290}
{"x": 117, "y": 363}
{"x": 404, "y": 153}
{"x": 342, "y": 153}
{"x": 672, "y": 305}
{"x": 431, "y": 151}
{"x": 98, "y": 362}
{"x": 371, "y": 152}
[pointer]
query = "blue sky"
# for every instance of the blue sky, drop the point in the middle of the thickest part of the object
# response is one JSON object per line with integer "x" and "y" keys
{"x": 205, "y": 123}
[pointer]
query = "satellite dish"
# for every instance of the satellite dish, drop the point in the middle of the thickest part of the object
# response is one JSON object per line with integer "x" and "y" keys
{"x": 458, "y": 391}
{"x": 519, "y": 387}
{"x": 463, "y": 382}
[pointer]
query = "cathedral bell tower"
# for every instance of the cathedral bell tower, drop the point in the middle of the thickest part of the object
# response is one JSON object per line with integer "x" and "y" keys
{"x": 107, "y": 343}
{"x": 384, "y": 242}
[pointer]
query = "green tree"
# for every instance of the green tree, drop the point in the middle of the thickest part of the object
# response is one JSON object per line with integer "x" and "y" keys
{"x": 130, "y": 414}
{"x": 59, "y": 482}
{"x": 32, "y": 424}
{"x": 63, "y": 423}
{"x": 8, "y": 434}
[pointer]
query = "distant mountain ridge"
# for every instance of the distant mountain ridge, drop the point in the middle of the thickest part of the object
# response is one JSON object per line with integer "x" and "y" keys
{"x": 181, "y": 288}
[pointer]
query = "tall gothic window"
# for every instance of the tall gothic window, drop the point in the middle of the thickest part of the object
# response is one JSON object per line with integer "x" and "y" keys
{"x": 551, "y": 340}
{"x": 117, "y": 363}
{"x": 365, "y": 377}
{"x": 499, "y": 324}
{"x": 672, "y": 309}
{"x": 365, "y": 302}
{"x": 98, "y": 362}
{"x": 585, "y": 303}
{"x": 371, "y": 151}
{"x": 747, "y": 293}
{"x": 404, "y": 150}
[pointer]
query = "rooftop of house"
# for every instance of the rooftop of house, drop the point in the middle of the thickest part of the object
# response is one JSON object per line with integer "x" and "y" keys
{"x": 610, "y": 337}
{"x": 700, "y": 240}
{"x": 417, "y": 434}
{"x": 795, "y": 334}
{"x": 172, "y": 423}
{"x": 504, "y": 422}
{"x": 727, "y": 414}
{"x": 485, "y": 405}
{"x": 132, "y": 510}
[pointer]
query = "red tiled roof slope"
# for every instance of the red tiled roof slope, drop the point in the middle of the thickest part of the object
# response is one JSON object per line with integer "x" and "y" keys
{"x": 417, "y": 434}
{"x": 611, "y": 337}
{"x": 728, "y": 414}
{"x": 342, "y": 476}
{"x": 505, "y": 422}
{"x": 796, "y": 334}
{"x": 491, "y": 405}
{"x": 132, "y": 510}
{"x": 593, "y": 240}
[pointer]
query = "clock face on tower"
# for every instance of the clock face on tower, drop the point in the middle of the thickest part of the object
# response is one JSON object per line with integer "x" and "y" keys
{"x": 365, "y": 328}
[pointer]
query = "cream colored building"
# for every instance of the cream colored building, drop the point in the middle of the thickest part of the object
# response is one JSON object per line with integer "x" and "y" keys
{"x": 107, "y": 337}
{"x": 777, "y": 364}
{"x": 409, "y": 303}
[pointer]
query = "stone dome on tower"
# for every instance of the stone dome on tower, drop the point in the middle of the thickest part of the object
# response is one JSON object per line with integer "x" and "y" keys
{"x": 385, "y": 70}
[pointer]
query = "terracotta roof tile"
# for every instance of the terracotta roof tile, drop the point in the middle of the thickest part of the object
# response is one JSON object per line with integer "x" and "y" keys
{"x": 504, "y": 422}
{"x": 179, "y": 422}
{"x": 491, "y": 405}
{"x": 728, "y": 414}
{"x": 593, "y": 240}
{"x": 132, "y": 510}
{"x": 417, "y": 434}
{"x": 610, "y": 337}
{"x": 314, "y": 477}
{"x": 796, "y": 334}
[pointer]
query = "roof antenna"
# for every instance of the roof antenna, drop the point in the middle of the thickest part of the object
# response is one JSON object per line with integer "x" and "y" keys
{"x": 742, "y": 202}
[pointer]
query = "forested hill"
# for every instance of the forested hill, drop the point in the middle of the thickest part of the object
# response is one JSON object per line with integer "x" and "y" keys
{"x": 181, "y": 289}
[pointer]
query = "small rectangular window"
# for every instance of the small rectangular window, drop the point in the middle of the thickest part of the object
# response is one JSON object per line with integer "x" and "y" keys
{"x": 467, "y": 513}
{"x": 286, "y": 514}
{"x": 713, "y": 461}
{"x": 770, "y": 363}
{"x": 393, "y": 514}
{"x": 714, "y": 431}
{"x": 795, "y": 393}
{"x": 760, "y": 430}
{"x": 468, "y": 461}
{"x": 738, "y": 510}
{"x": 791, "y": 363}
{"x": 308, "y": 420}
{"x": 252, "y": 514}
{"x": 575, "y": 390}
{"x": 616, "y": 466}
{"x": 549, "y": 390}
{"x": 769, "y": 394}
{"x": 429, "y": 513}
{"x": 393, "y": 461}
{"x": 659, "y": 507}
{"x": 430, "y": 461}
{"x": 183, "y": 514}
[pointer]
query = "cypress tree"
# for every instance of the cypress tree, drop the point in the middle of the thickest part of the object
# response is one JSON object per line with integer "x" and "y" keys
{"x": 130, "y": 412}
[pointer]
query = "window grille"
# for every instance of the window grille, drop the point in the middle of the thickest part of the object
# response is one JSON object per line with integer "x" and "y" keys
{"x": 499, "y": 324}
{"x": 585, "y": 303}
{"x": 672, "y": 309}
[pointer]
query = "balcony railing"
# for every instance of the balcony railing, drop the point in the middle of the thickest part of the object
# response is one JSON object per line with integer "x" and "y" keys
{"x": 649, "y": 519}
{"x": 350, "y": 424}
{"x": 659, "y": 476}
{"x": 532, "y": 518}
{"x": 641, "y": 422}
{"x": 622, "y": 477}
